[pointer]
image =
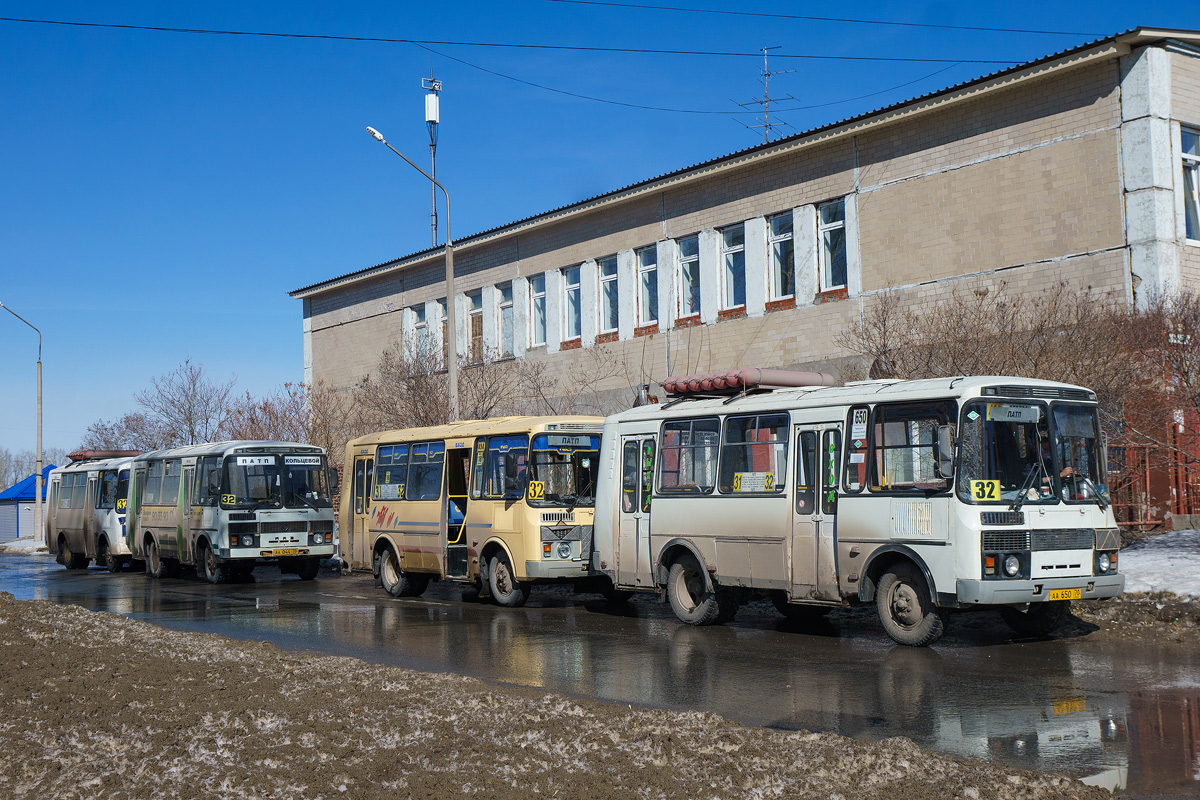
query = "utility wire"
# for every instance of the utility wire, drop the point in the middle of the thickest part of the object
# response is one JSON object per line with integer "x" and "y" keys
{"x": 576, "y": 48}
{"x": 823, "y": 19}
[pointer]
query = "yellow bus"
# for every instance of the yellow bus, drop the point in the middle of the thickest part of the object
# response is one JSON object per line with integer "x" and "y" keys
{"x": 499, "y": 504}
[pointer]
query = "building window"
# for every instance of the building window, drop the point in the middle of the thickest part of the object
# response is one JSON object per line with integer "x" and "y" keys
{"x": 689, "y": 276}
{"x": 831, "y": 244}
{"x": 537, "y": 310}
{"x": 506, "y": 321}
{"x": 608, "y": 294}
{"x": 420, "y": 332}
{"x": 475, "y": 315}
{"x": 647, "y": 267}
{"x": 571, "y": 309}
{"x": 733, "y": 254}
{"x": 441, "y": 307}
{"x": 1191, "y": 182}
{"x": 782, "y": 256}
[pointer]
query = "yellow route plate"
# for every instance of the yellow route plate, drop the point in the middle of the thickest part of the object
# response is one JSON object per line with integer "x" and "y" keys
{"x": 1070, "y": 705}
{"x": 1065, "y": 594}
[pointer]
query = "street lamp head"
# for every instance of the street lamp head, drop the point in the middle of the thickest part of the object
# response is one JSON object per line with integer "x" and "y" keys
{"x": 375, "y": 134}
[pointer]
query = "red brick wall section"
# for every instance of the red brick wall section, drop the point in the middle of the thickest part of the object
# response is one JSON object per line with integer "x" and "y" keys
{"x": 731, "y": 313}
{"x": 781, "y": 305}
{"x": 646, "y": 330}
{"x": 688, "y": 322}
{"x": 571, "y": 344}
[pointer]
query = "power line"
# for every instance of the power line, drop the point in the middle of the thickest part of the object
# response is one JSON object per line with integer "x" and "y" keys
{"x": 824, "y": 19}
{"x": 526, "y": 46}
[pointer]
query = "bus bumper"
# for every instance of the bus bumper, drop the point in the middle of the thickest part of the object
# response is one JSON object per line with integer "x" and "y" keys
{"x": 548, "y": 570}
{"x": 1002, "y": 592}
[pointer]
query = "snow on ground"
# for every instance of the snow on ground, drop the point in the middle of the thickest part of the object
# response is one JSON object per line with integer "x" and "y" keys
{"x": 25, "y": 547}
{"x": 1169, "y": 562}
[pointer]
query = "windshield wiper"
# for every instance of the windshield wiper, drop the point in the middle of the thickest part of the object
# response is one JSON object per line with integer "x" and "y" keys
{"x": 259, "y": 504}
{"x": 1101, "y": 500}
{"x": 1040, "y": 469}
{"x": 306, "y": 501}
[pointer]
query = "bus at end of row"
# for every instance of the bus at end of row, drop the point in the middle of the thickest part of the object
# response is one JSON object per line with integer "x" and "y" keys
{"x": 923, "y": 497}
{"x": 498, "y": 504}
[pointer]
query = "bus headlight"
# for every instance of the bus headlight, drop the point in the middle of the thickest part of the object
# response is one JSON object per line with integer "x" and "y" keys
{"x": 1103, "y": 562}
{"x": 1012, "y": 565}
{"x": 564, "y": 549}
{"x": 318, "y": 538}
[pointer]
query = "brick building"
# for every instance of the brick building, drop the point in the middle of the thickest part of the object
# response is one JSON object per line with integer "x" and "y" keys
{"x": 1080, "y": 167}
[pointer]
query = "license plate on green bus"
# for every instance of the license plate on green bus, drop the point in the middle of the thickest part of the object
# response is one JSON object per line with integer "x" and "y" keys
{"x": 1065, "y": 594}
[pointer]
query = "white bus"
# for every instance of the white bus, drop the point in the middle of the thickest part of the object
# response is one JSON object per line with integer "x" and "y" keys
{"x": 919, "y": 496}
{"x": 228, "y": 506}
{"x": 85, "y": 514}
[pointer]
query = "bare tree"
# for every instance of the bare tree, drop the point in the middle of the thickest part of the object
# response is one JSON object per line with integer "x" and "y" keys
{"x": 295, "y": 413}
{"x": 135, "y": 431}
{"x": 187, "y": 403}
{"x": 16, "y": 467}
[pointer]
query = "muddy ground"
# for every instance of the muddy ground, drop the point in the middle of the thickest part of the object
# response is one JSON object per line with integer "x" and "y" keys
{"x": 97, "y": 705}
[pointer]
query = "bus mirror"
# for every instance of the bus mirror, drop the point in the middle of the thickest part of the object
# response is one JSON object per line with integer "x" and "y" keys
{"x": 333, "y": 480}
{"x": 945, "y": 459}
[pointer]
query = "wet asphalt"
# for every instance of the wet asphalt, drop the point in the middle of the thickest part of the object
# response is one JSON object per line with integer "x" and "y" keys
{"x": 1125, "y": 717}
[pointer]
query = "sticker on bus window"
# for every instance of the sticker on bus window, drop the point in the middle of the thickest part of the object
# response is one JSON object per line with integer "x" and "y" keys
{"x": 389, "y": 491}
{"x": 537, "y": 490}
{"x": 302, "y": 461}
{"x": 1003, "y": 412}
{"x": 255, "y": 461}
{"x": 229, "y": 499}
{"x": 121, "y": 504}
{"x": 858, "y": 458}
{"x": 985, "y": 490}
{"x": 754, "y": 481}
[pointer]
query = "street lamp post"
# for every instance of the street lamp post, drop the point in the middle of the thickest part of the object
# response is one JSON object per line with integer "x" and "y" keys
{"x": 451, "y": 347}
{"x": 37, "y": 505}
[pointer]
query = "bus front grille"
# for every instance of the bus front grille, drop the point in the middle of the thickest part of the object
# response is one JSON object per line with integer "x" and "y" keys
{"x": 1000, "y": 541}
{"x": 558, "y": 517}
{"x": 321, "y": 526}
{"x": 1068, "y": 539}
{"x": 296, "y": 526}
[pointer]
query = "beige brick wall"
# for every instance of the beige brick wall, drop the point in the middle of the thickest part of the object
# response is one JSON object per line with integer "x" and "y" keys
{"x": 1185, "y": 89}
{"x": 1023, "y": 180}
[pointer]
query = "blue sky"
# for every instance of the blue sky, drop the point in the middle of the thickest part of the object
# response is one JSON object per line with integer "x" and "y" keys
{"x": 162, "y": 192}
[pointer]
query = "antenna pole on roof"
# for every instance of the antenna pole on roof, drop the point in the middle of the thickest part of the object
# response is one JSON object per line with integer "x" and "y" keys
{"x": 765, "y": 77}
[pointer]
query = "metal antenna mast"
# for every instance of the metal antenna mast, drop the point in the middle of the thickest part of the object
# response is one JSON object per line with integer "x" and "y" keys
{"x": 765, "y": 120}
{"x": 432, "y": 87}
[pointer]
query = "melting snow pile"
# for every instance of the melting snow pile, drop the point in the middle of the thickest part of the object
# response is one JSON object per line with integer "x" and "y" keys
{"x": 1169, "y": 562}
{"x": 25, "y": 546}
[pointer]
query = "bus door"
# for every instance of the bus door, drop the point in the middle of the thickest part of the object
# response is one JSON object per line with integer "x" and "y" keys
{"x": 814, "y": 511}
{"x": 458, "y": 466}
{"x": 364, "y": 469}
{"x": 635, "y": 565}
{"x": 88, "y": 522}
{"x": 187, "y": 528}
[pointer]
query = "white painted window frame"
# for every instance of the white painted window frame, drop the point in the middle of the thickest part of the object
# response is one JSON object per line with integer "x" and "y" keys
{"x": 726, "y": 251}
{"x": 642, "y": 270}
{"x": 505, "y": 304}
{"x": 773, "y": 267}
{"x": 822, "y": 228}
{"x": 683, "y": 288}
{"x": 577, "y": 288}
{"x": 474, "y": 306}
{"x": 1191, "y": 163}
{"x": 534, "y": 296}
{"x": 600, "y": 264}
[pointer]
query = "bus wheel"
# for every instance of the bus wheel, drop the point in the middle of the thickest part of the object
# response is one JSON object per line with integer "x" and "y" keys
{"x": 798, "y": 612}
{"x": 691, "y": 601}
{"x": 396, "y": 581}
{"x": 309, "y": 569}
{"x": 905, "y": 610}
{"x": 1041, "y": 619}
{"x": 155, "y": 567}
{"x": 506, "y": 589}
{"x": 211, "y": 569}
{"x": 102, "y": 553}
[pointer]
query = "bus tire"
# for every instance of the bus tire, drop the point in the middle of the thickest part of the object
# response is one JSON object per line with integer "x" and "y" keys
{"x": 156, "y": 565}
{"x": 798, "y": 612}
{"x": 692, "y": 601}
{"x": 210, "y": 568}
{"x": 1041, "y": 619}
{"x": 309, "y": 568}
{"x": 506, "y": 589}
{"x": 396, "y": 581}
{"x": 905, "y": 609}
{"x": 102, "y": 553}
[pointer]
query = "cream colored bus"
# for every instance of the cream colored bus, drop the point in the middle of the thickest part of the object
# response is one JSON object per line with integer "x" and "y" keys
{"x": 500, "y": 503}
{"x": 922, "y": 497}
{"x": 228, "y": 506}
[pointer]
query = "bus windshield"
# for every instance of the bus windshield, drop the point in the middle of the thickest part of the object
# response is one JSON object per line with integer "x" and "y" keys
{"x": 304, "y": 482}
{"x": 1004, "y": 452}
{"x": 1077, "y": 434}
{"x": 251, "y": 481}
{"x": 565, "y": 466}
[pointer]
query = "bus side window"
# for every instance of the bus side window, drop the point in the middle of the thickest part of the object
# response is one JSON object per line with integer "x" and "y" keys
{"x": 629, "y": 477}
{"x": 829, "y": 485}
{"x": 647, "y": 473}
{"x": 806, "y": 472}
